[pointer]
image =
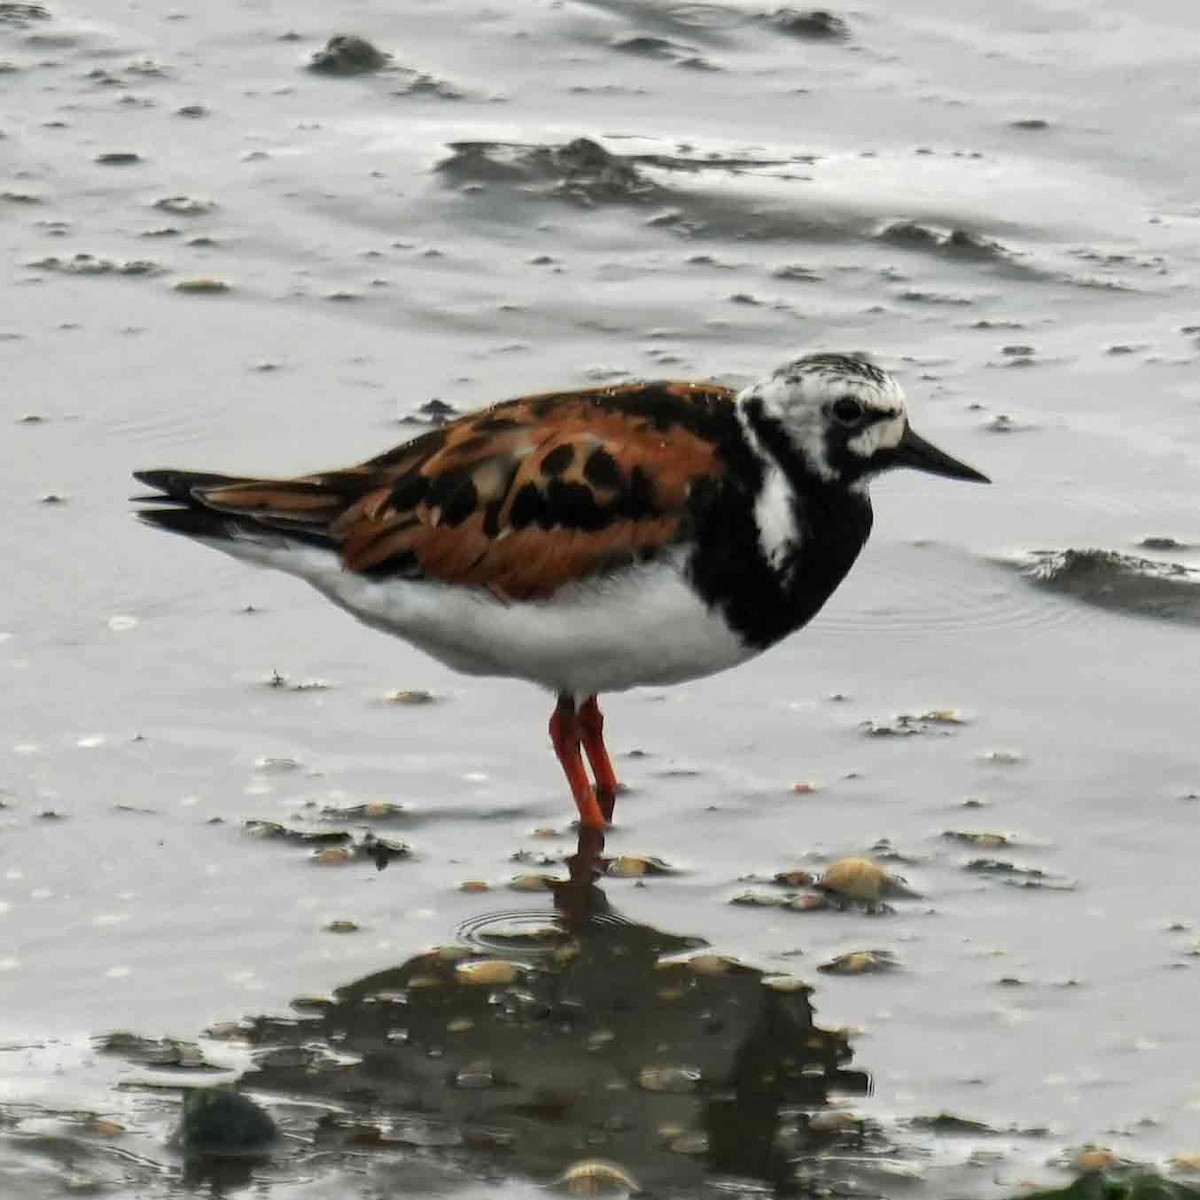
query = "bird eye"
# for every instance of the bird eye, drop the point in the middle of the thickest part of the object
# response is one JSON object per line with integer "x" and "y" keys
{"x": 847, "y": 410}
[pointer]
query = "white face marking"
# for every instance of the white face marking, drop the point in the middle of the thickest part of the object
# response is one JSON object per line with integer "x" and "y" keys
{"x": 803, "y": 396}
{"x": 805, "y": 423}
{"x": 882, "y": 435}
{"x": 774, "y": 508}
{"x": 774, "y": 516}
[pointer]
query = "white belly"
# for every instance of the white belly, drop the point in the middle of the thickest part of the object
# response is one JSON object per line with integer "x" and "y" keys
{"x": 643, "y": 625}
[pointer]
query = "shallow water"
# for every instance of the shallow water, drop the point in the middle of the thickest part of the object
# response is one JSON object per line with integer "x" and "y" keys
{"x": 999, "y": 204}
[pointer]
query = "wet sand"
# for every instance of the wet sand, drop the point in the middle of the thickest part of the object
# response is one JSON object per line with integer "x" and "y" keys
{"x": 217, "y": 257}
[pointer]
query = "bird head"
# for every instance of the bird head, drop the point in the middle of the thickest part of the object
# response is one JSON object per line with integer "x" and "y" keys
{"x": 845, "y": 419}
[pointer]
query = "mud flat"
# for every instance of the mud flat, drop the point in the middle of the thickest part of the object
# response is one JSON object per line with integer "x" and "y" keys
{"x": 248, "y": 843}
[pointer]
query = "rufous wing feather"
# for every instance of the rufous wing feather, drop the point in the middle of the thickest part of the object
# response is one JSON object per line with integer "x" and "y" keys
{"x": 521, "y": 499}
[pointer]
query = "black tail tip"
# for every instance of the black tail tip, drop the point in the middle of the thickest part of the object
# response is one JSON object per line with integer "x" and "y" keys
{"x": 182, "y": 485}
{"x": 191, "y": 522}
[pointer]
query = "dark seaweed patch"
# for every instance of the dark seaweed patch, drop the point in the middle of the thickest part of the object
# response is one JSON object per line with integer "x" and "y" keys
{"x": 1120, "y": 582}
{"x": 346, "y": 54}
{"x": 418, "y": 83}
{"x": 580, "y": 170}
{"x": 21, "y": 15}
{"x": 645, "y": 46}
{"x": 220, "y": 1121}
{"x": 952, "y": 243}
{"x": 813, "y": 24}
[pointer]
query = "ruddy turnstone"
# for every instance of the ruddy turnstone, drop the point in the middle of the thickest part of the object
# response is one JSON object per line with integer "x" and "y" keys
{"x": 588, "y": 541}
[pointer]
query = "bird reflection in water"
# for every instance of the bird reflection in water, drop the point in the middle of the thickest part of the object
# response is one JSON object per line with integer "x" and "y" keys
{"x": 547, "y": 1039}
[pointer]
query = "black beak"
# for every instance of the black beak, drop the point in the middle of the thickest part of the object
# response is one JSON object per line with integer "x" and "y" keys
{"x": 914, "y": 451}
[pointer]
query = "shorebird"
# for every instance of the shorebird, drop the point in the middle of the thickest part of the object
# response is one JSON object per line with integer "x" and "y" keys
{"x": 587, "y": 541}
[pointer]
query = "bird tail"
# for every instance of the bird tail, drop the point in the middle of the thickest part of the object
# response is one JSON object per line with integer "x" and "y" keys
{"x": 223, "y": 508}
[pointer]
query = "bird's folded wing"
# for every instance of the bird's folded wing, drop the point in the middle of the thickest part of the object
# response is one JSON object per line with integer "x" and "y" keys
{"x": 521, "y": 498}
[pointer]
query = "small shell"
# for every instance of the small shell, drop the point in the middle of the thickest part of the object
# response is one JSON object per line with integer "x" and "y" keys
{"x": 487, "y": 972}
{"x": 668, "y": 1079}
{"x": 1093, "y": 1159}
{"x": 341, "y": 927}
{"x": 636, "y": 866}
{"x": 984, "y": 840}
{"x": 531, "y": 883}
{"x": 276, "y": 764}
{"x": 627, "y": 866}
{"x": 714, "y": 964}
{"x": 202, "y": 286}
{"x": 229, "y": 1031}
{"x": 302, "y": 1004}
{"x": 855, "y": 879}
{"x": 595, "y": 1177}
{"x": 860, "y": 962}
{"x": 333, "y": 856}
{"x": 104, "y": 1126}
{"x": 409, "y": 696}
{"x": 475, "y": 1077}
{"x": 833, "y": 1120}
{"x": 1003, "y": 758}
{"x": 786, "y": 984}
{"x": 689, "y": 1143}
{"x": 375, "y": 809}
{"x": 459, "y": 1025}
{"x": 804, "y": 789}
{"x": 944, "y": 716}
{"x": 474, "y": 885}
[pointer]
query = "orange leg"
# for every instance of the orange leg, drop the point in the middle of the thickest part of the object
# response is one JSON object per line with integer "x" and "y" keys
{"x": 591, "y": 731}
{"x": 565, "y": 736}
